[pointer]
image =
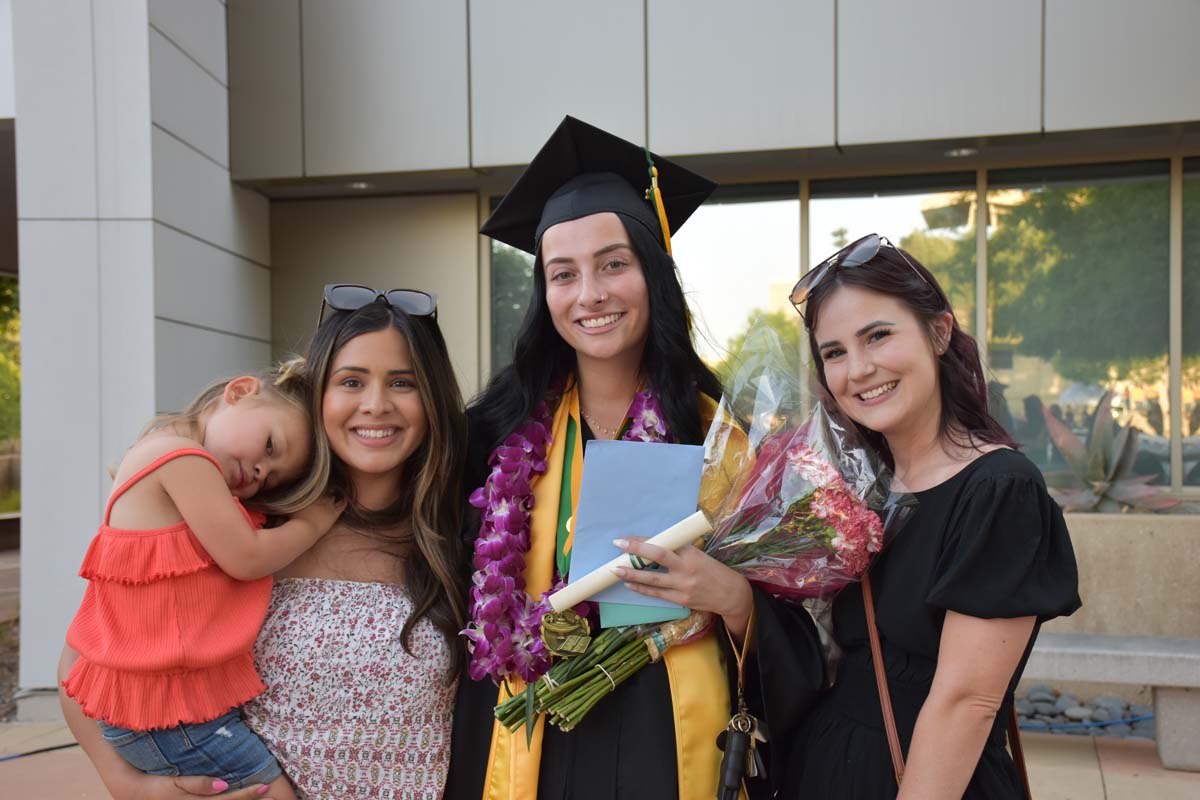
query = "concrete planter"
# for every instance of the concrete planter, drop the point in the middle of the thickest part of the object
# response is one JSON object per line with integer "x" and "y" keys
{"x": 1139, "y": 575}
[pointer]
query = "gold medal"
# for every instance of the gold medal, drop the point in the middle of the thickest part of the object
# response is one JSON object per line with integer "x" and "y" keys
{"x": 565, "y": 634}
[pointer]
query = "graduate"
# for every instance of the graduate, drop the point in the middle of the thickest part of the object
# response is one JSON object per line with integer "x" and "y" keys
{"x": 605, "y": 352}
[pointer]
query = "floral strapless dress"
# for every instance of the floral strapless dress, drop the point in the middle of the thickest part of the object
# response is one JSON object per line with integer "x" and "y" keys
{"x": 348, "y": 712}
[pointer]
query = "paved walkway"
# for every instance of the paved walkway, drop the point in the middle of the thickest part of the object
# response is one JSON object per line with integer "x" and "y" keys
{"x": 1060, "y": 767}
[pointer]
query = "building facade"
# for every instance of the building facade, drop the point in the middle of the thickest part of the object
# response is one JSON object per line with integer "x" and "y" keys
{"x": 191, "y": 172}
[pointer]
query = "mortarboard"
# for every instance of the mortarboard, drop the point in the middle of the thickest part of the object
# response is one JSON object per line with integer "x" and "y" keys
{"x": 582, "y": 170}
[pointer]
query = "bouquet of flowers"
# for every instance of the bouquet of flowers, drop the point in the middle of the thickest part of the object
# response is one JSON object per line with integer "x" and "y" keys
{"x": 796, "y": 502}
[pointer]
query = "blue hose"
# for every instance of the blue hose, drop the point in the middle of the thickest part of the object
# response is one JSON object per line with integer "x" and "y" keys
{"x": 1046, "y": 726}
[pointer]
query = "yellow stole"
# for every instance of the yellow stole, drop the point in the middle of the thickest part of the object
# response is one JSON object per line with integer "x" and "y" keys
{"x": 699, "y": 688}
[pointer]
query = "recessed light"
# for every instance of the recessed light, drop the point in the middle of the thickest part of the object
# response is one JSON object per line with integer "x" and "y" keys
{"x": 358, "y": 185}
{"x": 961, "y": 152}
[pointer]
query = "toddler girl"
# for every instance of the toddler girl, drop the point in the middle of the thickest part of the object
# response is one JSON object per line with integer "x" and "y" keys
{"x": 179, "y": 576}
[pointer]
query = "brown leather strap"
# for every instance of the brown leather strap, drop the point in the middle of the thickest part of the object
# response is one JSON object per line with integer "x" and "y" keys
{"x": 1018, "y": 754}
{"x": 885, "y": 696}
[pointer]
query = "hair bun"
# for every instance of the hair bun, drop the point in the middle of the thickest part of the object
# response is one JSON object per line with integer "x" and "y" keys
{"x": 293, "y": 368}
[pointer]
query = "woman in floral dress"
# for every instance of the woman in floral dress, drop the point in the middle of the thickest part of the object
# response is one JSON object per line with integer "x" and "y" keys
{"x": 360, "y": 649}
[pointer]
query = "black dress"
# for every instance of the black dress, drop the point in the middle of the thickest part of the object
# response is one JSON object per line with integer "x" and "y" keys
{"x": 990, "y": 543}
{"x": 625, "y": 748}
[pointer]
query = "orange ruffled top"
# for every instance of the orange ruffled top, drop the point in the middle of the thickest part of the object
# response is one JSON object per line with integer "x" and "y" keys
{"x": 164, "y": 636}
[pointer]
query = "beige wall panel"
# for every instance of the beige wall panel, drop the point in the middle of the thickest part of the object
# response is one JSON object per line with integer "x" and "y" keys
{"x": 937, "y": 69}
{"x": 533, "y": 62}
{"x": 393, "y": 242}
{"x": 198, "y": 27}
{"x": 385, "y": 86}
{"x": 126, "y": 301}
{"x": 1115, "y": 62}
{"x": 194, "y": 195}
{"x": 756, "y": 75}
{"x": 188, "y": 359}
{"x": 60, "y": 422}
{"x": 56, "y": 128}
{"x": 188, "y": 102}
{"x": 264, "y": 90}
{"x": 122, "y": 74}
{"x": 199, "y": 284}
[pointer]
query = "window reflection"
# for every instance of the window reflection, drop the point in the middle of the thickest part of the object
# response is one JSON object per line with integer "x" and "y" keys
{"x": 1077, "y": 288}
{"x": 738, "y": 258}
{"x": 512, "y": 283}
{"x": 931, "y": 217}
{"x": 1191, "y": 323}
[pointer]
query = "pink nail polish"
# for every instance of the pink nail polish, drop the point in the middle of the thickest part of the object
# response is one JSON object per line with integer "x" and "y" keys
{"x": 263, "y": 789}
{"x": 220, "y": 785}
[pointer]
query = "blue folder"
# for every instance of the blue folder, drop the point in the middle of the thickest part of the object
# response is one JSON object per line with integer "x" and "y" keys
{"x": 631, "y": 489}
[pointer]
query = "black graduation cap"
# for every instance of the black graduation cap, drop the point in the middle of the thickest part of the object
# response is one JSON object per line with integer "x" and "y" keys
{"x": 582, "y": 170}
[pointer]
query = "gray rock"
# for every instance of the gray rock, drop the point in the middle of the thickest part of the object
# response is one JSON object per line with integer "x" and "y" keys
{"x": 1078, "y": 714}
{"x": 1120, "y": 729}
{"x": 1140, "y": 710}
{"x": 1024, "y": 708}
{"x": 1066, "y": 701}
{"x": 1110, "y": 702}
{"x": 1041, "y": 697}
{"x": 1042, "y": 688}
{"x": 1078, "y": 731}
{"x": 1101, "y": 714}
{"x": 1145, "y": 726}
{"x": 1046, "y": 709}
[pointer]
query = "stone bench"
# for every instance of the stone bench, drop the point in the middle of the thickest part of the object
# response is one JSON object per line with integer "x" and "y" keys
{"x": 1170, "y": 665}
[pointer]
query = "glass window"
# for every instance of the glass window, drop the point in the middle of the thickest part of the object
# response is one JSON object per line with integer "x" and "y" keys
{"x": 512, "y": 284}
{"x": 738, "y": 259}
{"x": 1191, "y": 322}
{"x": 1077, "y": 288}
{"x": 930, "y": 216}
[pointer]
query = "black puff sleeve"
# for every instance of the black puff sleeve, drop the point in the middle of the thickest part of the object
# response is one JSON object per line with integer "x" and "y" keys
{"x": 1006, "y": 551}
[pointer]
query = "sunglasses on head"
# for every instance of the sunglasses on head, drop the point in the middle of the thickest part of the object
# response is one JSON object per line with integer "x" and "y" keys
{"x": 351, "y": 297}
{"x": 855, "y": 254}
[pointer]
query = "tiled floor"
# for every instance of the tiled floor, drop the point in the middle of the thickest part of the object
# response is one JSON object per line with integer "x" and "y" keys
{"x": 1060, "y": 767}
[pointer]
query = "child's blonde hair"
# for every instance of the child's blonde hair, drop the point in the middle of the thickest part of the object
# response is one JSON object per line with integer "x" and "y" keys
{"x": 287, "y": 382}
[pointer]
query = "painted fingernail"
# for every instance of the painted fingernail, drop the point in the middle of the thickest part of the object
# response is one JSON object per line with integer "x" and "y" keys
{"x": 220, "y": 785}
{"x": 621, "y": 543}
{"x": 263, "y": 789}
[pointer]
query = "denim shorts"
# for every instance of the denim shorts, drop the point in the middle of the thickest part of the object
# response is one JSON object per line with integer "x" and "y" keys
{"x": 224, "y": 748}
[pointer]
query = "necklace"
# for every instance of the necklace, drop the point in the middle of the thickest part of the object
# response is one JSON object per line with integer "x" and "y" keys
{"x": 504, "y": 636}
{"x": 608, "y": 433}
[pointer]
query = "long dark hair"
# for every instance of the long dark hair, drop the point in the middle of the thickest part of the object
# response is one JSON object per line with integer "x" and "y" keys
{"x": 541, "y": 357}
{"x": 428, "y": 512}
{"x": 965, "y": 419}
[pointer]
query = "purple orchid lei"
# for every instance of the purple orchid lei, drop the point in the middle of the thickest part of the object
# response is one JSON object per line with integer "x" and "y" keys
{"x": 505, "y": 632}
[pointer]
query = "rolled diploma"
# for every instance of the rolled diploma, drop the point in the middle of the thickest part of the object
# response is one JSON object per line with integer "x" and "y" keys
{"x": 679, "y": 535}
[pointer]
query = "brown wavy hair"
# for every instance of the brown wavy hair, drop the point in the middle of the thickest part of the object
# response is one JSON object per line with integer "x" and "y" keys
{"x": 965, "y": 419}
{"x": 422, "y": 525}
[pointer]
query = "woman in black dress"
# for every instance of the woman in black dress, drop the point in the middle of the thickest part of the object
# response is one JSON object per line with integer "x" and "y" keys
{"x": 961, "y": 592}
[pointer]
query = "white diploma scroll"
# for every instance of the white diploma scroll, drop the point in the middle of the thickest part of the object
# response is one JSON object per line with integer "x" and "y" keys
{"x": 679, "y": 535}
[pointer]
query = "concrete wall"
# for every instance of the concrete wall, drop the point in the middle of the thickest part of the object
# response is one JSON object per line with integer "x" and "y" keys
{"x": 212, "y": 255}
{"x": 444, "y": 86}
{"x": 144, "y": 272}
{"x": 427, "y": 243}
{"x": 1137, "y": 575}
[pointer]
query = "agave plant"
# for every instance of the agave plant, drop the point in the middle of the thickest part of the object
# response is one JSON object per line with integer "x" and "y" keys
{"x": 1100, "y": 473}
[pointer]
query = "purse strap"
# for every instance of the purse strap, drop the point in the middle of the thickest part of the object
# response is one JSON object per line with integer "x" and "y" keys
{"x": 1018, "y": 753}
{"x": 885, "y": 702}
{"x": 885, "y": 695}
